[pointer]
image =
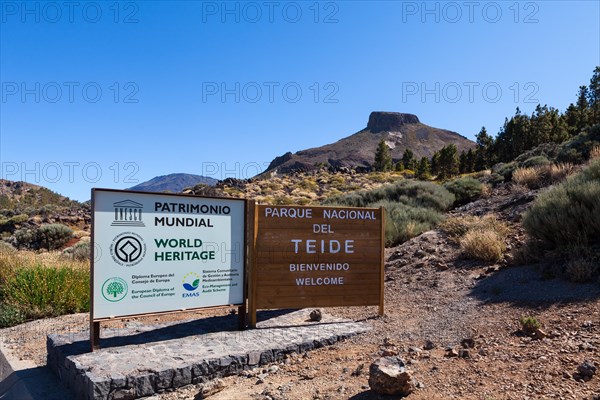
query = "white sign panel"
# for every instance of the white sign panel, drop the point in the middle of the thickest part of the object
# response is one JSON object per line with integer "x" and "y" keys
{"x": 160, "y": 252}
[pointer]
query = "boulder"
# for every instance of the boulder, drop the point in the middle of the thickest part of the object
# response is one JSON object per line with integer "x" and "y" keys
{"x": 316, "y": 315}
{"x": 388, "y": 375}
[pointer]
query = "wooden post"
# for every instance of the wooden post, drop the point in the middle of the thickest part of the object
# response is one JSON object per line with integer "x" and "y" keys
{"x": 94, "y": 335}
{"x": 242, "y": 317}
{"x": 253, "y": 230}
{"x": 382, "y": 265}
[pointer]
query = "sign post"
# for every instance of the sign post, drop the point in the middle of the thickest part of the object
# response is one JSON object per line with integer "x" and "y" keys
{"x": 158, "y": 253}
{"x": 316, "y": 257}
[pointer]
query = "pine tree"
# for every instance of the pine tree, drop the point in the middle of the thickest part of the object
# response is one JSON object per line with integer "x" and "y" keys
{"x": 383, "y": 157}
{"x": 407, "y": 158}
{"x": 470, "y": 161}
{"x": 593, "y": 98}
{"x": 448, "y": 163}
{"x": 435, "y": 163}
{"x": 423, "y": 169}
{"x": 462, "y": 162}
{"x": 484, "y": 152}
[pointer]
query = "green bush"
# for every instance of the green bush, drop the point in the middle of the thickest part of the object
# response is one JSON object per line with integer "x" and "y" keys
{"x": 25, "y": 238}
{"x": 80, "y": 252}
{"x": 577, "y": 149}
{"x": 465, "y": 189}
{"x": 411, "y": 193}
{"x": 10, "y": 315}
{"x": 529, "y": 325}
{"x": 6, "y": 248}
{"x": 535, "y": 162}
{"x": 505, "y": 170}
{"x": 568, "y": 213}
{"x": 49, "y": 237}
{"x": 403, "y": 222}
{"x": 41, "y": 291}
{"x": 412, "y": 207}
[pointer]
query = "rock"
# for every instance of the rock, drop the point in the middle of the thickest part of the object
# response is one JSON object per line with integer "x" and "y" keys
{"x": 441, "y": 266}
{"x": 358, "y": 370}
{"x": 388, "y": 375}
{"x": 451, "y": 353}
{"x": 587, "y": 369}
{"x": 316, "y": 315}
{"x": 463, "y": 353}
{"x": 539, "y": 334}
{"x": 429, "y": 345}
{"x": 212, "y": 387}
{"x": 389, "y": 352}
{"x": 468, "y": 343}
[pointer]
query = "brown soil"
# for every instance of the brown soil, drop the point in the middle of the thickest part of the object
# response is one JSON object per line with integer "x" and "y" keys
{"x": 432, "y": 294}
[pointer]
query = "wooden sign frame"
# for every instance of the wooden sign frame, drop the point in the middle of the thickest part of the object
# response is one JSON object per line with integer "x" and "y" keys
{"x": 268, "y": 239}
{"x": 95, "y": 322}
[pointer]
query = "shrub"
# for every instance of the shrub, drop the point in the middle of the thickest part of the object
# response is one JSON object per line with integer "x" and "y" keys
{"x": 465, "y": 189}
{"x": 80, "y": 252}
{"x": 505, "y": 170}
{"x": 581, "y": 269}
{"x": 42, "y": 291}
{"x": 535, "y": 161}
{"x": 480, "y": 238}
{"x": 578, "y": 149}
{"x": 403, "y": 222}
{"x": 25, "y": 238}
{"x": 459, "y": 226}
{"x": 411, "y": 207}
{"x": 10, "y": 315}
{"x": 482, "y": 244}
{"x": 540, "y": 176}
{"x": 6, "y": 248}
{"x": 530, "y": 177}
{"x": 49, "y": 237}
{"x": 456, "y": 227}
{"x": 568, "y": 213}
{"x": 529, "y": 325}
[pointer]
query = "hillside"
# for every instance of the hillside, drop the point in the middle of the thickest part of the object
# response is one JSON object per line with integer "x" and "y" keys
{"x": 400, "y": 132}
{"x": 22, "y": 195}
{"x": 174, "y": 183}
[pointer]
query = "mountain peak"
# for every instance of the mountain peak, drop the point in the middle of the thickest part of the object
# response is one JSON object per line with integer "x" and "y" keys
{"x": 389, "y": 121}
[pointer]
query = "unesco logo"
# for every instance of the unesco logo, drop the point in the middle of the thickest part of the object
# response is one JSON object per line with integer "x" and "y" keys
{"x": 128, "y": 213}
{"x": 128, "y": 249}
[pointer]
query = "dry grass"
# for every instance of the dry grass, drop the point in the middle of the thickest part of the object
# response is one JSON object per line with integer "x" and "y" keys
{"x": 480, "y": 238}
{"x": 529, "y": 177}
{"x": 483, "y": 244}
{"x": 542, "y": 175}
{"x": 558, "y": 172}
{"x": 457, "y": 227}
{"x": 595, "y": 153}
{"x": 581, "y": 269}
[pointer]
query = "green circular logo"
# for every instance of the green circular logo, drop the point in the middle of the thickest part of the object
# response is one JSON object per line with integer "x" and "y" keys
{"x": 114, "y": 289}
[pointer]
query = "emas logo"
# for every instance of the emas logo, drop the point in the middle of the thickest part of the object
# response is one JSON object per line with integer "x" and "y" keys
{"x": 191, "y": 282}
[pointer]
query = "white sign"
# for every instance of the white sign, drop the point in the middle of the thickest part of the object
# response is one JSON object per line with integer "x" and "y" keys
{"x": 161, "y": 252}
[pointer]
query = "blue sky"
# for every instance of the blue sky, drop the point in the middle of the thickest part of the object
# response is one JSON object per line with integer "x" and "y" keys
{"x": 110, "y": 94}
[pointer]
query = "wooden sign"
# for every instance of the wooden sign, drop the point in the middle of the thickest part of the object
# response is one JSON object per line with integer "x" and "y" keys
{"x": 307, "y": 256}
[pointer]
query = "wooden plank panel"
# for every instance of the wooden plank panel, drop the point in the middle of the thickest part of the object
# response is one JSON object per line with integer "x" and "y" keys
{"x": 277, "y": 285}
